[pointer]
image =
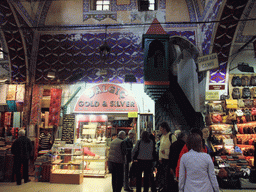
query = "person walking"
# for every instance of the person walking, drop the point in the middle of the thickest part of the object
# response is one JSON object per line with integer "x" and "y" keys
{"x": 166, "y": 140}
{"x": 116, "y": 161}
{"x": 175, "y": 150}
{"x": 196, "y": 168}
{"x": 144, "y": 153}
{"x": 21, "y": 149}
{"x": 185, "y": 148}
{"x": 128, "y": 146}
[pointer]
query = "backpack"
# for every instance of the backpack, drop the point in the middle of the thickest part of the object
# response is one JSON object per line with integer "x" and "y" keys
{"x": 253, "y": 81}
{"x": 245, "y": 81}
{"x": 236, "y": 93}
{"x": 246, "y": 93}
{"x": 236, "y": 81}
{"x": 170, "y": 137}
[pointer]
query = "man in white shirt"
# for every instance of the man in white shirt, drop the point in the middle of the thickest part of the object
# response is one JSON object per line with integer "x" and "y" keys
{"x": 166, "y": 140}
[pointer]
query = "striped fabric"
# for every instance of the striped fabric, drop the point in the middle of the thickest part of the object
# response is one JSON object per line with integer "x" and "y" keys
{"x": 44, "y": 140}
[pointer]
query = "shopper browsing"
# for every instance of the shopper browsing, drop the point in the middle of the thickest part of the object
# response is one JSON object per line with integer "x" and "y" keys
{"x": 21, "y": 149}
{"x": 196, "y": 168}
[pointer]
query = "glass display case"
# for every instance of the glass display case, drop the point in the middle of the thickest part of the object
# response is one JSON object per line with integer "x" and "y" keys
{"x": 94, "y": 159}
{"x": 67, "y": 164}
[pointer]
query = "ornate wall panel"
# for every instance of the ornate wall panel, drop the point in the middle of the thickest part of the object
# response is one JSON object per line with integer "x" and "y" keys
{"x": 14, "y": 42}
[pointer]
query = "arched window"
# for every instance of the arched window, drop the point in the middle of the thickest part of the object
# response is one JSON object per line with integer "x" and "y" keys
{"x": 147, "y": 5}
{"x": 100, "y": 5}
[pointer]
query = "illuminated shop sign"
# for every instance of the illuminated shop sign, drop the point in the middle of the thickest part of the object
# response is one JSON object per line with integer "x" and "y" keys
{"x": 106, "y": 98}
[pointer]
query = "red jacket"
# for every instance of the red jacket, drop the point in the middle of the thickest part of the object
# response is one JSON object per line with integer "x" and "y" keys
{"x": 183, "y": 151}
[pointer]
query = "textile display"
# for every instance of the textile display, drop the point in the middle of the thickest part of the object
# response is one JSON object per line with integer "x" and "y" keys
{"x": 55, "y": 106}
{"x": 16, "y": 119}
{"x": 11, "y": 106}
{"x": 20, "y": 93}
{"x": 19, "y": 106}
{"x": 11, "y": 93}
{"x": 37, "y": 96}
{"x": 7, "y": 118}
{"x": 46, "y": 119}
{"x": 3, "y": 93}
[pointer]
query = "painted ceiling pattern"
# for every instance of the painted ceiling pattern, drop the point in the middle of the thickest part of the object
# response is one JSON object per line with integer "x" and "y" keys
{"x": 126, "y": 54}
{"x": 223, "y": 39}
{"x": 14, "y": 43}
{"x": 80, "y": 60}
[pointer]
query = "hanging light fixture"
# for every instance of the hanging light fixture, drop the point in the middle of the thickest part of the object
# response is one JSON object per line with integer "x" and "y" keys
{"x": 105, "y": 49}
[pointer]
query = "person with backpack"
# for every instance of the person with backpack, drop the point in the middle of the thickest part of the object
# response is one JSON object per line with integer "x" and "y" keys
{"x": 144, "y": 154}
{"x": 166, "y": 140}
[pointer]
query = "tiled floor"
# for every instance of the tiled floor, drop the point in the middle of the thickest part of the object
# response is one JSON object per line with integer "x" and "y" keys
{"x": 88, "y": 185}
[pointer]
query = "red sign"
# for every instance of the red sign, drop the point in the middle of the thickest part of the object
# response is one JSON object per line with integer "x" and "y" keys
{"x": 216, "y": 87}
{"x": 107, "y": 98}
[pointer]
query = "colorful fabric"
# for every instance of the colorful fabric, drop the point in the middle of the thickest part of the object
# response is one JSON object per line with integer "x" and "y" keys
{"x": 19, "y": 106}
{"x": 7, "y": 118}
{"x": 11, "y": 106}
{"x": 16, "y": 119}
{"x": 3, "y": 93}
{"x": 11, "y": 94}
{"x": 37, "y": 96}
{"x": 20, "y": 93}
{"x": 46, "y": 119}
{"x": 55, "y": 107}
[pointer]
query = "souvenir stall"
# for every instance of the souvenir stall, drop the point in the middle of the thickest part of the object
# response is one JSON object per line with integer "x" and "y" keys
{"x": 97, "y": 112}
{"x": 232, "y": 125}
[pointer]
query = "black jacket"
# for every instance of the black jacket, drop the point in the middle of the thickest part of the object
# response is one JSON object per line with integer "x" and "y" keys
{"x": 128, "y": 145}
{"x": 21, "y": 148}
{"x": 175, "y": 150}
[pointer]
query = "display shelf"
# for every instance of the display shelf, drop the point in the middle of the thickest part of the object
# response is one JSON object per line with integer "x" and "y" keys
{"x": 95, "y": 160}
{"x": 67, "y": 164}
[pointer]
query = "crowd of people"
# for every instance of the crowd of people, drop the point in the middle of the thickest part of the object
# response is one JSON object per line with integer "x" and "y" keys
{"x": 180, "y": 161}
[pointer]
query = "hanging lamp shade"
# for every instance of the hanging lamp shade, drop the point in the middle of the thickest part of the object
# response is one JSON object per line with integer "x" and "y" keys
{"x": 104, "y": 51}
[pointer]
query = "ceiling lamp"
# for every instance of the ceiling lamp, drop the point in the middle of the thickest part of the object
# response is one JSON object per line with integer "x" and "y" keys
{"x": 105, "y": 49}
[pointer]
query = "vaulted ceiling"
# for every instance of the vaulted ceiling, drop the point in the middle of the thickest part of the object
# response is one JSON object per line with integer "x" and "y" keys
{"x": 63, "y": 36}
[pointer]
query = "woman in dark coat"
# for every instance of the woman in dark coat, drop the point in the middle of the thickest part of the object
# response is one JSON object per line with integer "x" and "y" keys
{"x": 144, "y": 153}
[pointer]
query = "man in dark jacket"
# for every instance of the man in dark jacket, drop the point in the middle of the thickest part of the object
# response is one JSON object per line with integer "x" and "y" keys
{"x": 175, "y": 150}
{"x": 116, "y": 160}
{"x": 128, "y": 145}
{"x": 21, "y": 149}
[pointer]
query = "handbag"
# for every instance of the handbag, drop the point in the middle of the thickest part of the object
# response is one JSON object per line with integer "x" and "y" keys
{"x": 213, "y": 107}
{"x": 236, "y": 81}
{"x": 254, "y": 92}
{"x": 224, "y": 97}
{"x": 248, "y": 103}
{"x": 240, "y": 103}
{"x": 246, "y": 93}
{"x": 245, "y": 81}
{"x": 253, "y": 81}
{"x": 236, "y": 93}
{"x": 133, "y": 169}
{"x": 137, "y": 152}
{"x": 231, "y": 104}
{"x": 216, "y": 118}
{"x": 253, "y": 111}
{"x": 231, "y": 116}
{"x": 239, "y": 113}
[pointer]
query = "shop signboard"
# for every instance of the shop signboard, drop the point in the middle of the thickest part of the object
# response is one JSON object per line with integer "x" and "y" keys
{"x": 212, "y": 96}
{"x": 208, "y": 62}
{"x": 106, "y": 98}
{"x": 68, "y": 128}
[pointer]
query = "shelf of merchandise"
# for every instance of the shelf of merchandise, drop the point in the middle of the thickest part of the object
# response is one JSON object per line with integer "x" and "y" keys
{"x": 67, "y": 170}
{"x": 95, "y": 166}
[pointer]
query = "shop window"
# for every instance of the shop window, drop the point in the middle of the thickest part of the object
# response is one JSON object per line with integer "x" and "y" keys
{"x": 103, "y": 5}
{"x": 147, "y": 5}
